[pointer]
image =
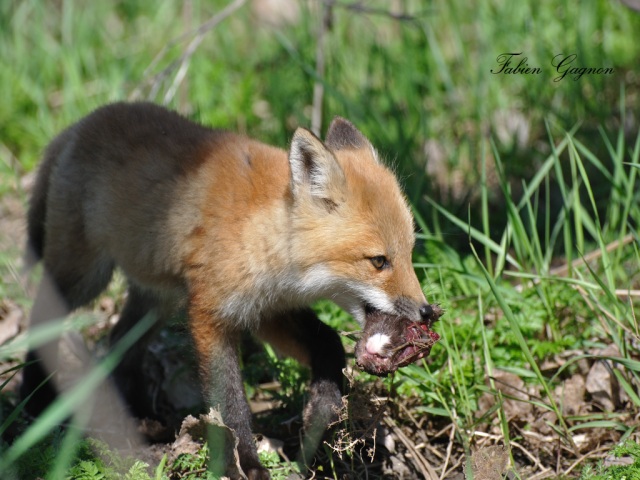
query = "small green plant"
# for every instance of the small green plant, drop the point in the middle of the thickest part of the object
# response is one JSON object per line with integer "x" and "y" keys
{"x": 92, "y": 460}
{"x": 279, "y": 469}
{"x": 191, "y": 466}
{"x": 96, "y": 461}
{"x": 616, "y": 472}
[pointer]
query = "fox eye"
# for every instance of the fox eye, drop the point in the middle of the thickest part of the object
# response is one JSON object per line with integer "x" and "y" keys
{"x": 379, "y": 261}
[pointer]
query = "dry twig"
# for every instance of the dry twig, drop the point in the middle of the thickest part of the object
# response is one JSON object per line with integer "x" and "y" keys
{"x": 532, "y": 457}
{"x": 455, "y": 466}
{"x": 563, "y": 270}
{"x": 360, "y": 7}
{"x": 182, "y": 63}
{"x": 318, "y": 86}
{"x": 449, "y": 448}
{"x": 419, "y": 461}
{"x": 595, "y": 453}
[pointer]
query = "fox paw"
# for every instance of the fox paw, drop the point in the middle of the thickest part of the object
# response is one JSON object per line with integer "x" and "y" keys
{"x": 258, "y": 473}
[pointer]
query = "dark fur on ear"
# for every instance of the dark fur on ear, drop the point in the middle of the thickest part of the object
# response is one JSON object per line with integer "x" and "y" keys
{"x": 342, "y": 134}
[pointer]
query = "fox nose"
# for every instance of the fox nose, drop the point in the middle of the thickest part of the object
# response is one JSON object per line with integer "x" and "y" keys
{"x": 426, "y": 311}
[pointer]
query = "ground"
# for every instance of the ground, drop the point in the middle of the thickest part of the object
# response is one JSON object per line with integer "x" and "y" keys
{"x": 383, "y": 433}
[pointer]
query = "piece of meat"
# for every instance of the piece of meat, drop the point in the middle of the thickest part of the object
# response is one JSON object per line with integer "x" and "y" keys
{"x": 389, "y": 342}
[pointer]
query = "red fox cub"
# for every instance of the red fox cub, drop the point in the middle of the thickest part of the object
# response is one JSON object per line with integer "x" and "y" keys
{"x": 241, "y": 235}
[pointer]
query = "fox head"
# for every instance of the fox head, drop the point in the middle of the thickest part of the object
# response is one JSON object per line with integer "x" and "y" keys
{"x": 352, "y": 231}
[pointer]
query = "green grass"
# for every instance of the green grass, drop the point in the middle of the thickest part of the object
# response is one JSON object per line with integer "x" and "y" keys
{"x": 93, "y": 460}
{"x": 511, "y": 177}
{"x": 538, "y": 311}
{"x": 403, "y": 83}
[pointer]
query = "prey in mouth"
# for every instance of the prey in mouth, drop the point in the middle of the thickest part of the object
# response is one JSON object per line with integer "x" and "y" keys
{"x": 389, "y": 342}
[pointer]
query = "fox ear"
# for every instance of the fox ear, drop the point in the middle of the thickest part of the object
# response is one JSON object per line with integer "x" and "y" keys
{"x": 342, "y": 134}
{"x": 315, "y": 169}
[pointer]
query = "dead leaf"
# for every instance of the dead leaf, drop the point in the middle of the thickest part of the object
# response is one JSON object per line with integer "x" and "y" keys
{"x": 611, "y": 461}
{"x": 571, "y": 395}
{"x": 601, "y": 382}
{"x": 512, "y": 387}
{"x": 542, "y": 422}
{"x": 490, "y": 463}
{"x": 222, "y": 441}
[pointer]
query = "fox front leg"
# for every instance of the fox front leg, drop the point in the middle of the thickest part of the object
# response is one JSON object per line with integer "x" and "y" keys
{"x": 300, "y": 334}
{"x": 223, "y": 389}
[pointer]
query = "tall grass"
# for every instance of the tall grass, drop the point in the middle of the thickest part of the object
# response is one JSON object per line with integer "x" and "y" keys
{"x": 539, "y": 309}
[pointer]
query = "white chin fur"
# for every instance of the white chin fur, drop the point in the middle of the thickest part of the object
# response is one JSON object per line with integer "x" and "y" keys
{"x": 376, "y": 343}
{"x": 318, "y": 282}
